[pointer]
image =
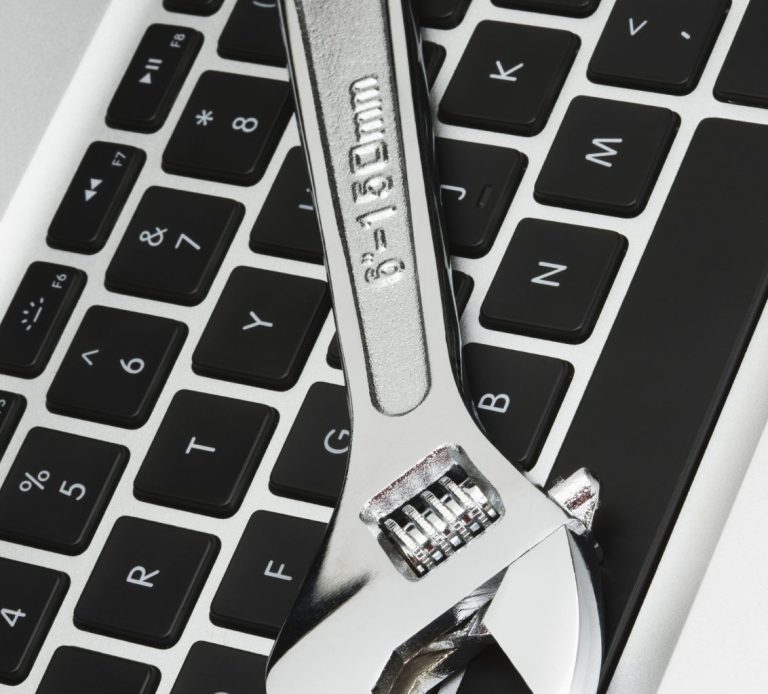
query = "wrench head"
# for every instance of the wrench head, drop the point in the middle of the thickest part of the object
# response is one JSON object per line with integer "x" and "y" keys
{"x": 401, "y": 631}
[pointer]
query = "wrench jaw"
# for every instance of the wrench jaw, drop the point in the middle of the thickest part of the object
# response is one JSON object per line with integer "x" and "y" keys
{"x": 555, "y": 643}
{"x": 542, "y": 611}
{"x": 360, "y": 625}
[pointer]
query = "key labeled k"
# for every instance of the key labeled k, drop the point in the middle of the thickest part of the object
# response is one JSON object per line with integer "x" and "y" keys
{"x": 507, "y": 75}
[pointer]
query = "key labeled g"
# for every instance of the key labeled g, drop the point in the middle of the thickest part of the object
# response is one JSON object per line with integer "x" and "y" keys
{"x": 336, "y": 437}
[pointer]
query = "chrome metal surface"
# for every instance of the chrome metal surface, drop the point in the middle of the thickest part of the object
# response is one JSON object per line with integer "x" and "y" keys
{"x": 579, "y": 496}
{"x": 405, "y": 411}
{"x": 80, "y": 120}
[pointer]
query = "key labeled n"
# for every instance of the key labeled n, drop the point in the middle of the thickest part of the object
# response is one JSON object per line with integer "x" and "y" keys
{"x": 551, "y": 269}
{"x": 605, "y": 151}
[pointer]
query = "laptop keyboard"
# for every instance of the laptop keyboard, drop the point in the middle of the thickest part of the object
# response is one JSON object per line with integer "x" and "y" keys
{"x": 211, "y": 268}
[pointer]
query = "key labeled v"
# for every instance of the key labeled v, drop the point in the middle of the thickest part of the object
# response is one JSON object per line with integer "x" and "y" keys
{"x": 505, "y": 75}
{"x": 634, "y": 30}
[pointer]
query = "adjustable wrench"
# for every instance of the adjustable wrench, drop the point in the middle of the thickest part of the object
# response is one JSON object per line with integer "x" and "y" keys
{"x": 439, "y": 546}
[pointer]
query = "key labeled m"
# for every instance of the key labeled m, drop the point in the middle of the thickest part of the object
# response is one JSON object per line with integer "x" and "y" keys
{"x": 604, "y": 151}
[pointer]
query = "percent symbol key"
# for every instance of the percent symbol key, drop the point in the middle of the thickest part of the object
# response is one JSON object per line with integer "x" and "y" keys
{"x": 58, "y": 506}
{"x": 37, "y": 481}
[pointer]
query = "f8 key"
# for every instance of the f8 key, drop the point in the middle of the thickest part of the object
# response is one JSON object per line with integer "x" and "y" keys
{"x": 153, "y": 78}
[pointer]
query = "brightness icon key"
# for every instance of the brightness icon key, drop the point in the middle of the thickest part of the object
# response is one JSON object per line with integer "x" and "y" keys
{"x": 36, "y": 317}
{"x": 153, "y": 78}
{"x": 32, "y": 313}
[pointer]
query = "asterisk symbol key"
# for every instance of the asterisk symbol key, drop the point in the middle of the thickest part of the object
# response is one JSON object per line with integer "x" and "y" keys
{"x": 204, "y": 117}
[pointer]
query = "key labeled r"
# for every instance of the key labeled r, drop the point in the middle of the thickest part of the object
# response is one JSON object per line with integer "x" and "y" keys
{"x": 139, "y": 576}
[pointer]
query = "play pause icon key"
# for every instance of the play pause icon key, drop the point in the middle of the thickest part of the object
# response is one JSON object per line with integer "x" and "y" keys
{"x": 153, "y": 78}
{"x": 152, "y": 64}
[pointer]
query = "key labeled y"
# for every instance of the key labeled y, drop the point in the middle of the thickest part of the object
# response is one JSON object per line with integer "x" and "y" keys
{"x": 256, "y": 322}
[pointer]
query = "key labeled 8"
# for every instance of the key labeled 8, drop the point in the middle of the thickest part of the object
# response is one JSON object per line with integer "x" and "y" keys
{"x": 245, "y": 124}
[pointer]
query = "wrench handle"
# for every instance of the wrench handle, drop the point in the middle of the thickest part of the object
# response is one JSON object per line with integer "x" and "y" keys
{"x": 365, "y": 125}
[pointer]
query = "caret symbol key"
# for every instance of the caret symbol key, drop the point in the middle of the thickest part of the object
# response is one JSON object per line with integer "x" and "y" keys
{"x": 439, "y": 545}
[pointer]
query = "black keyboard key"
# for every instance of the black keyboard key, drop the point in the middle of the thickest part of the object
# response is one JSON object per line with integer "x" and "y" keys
{"x": 263, "y": 579}
{"x": 116, "y": 366}
{"x": 263, "y": 328}
{"x": 174, "y": 245}
{"x": 442, "y": 14}
{"x": 462, "y": 289}
{"x": 478, "y": 183}
{"x": 30, "y": 597}
{"x": 666, "y": 369}
{"x": 287, "y": 223}
{"x": 517, "y": 396}
{"x": 509, "y": 78}
{"x": 571, "y": 8}
{"x": 95, "y": 197}
{"x": 146, "y": 582}
{"x": 205, "y": 453}
{"x": 202, "y": 7}
{"x": 492, "y": 673}
{"x": 434, "y": 57}
{"x": 12, "y": 406}
{"x": 553, "y": 280}
{"x": 333, "y": 355}
{"x": 742, "y": 79}
{"x": 78, "y": 671}
{"x": 153, "y": 78}
{"x": 313, "y": 462}
{"x": 607, "y": 156}
{"x": 212, "y": 668}
{"x": 253, "y": 33}
{"x": 229, "y": 128}
{"x": 57, "y": 489}
{"x": 463, "y": 285}
{"x": 656, "y": 44}
{"x": 36, "y": 317}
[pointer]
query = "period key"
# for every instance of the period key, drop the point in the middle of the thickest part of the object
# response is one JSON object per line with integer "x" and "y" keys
{"x": 153, "y": 78}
